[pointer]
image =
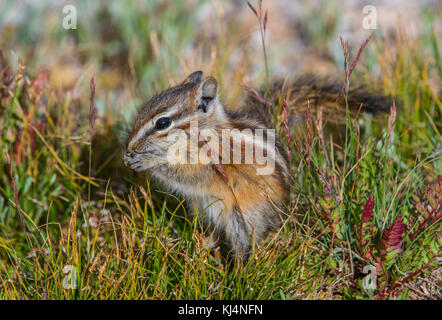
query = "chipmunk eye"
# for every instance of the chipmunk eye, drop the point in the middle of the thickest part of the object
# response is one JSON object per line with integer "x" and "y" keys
{"x": 163, "y": 123}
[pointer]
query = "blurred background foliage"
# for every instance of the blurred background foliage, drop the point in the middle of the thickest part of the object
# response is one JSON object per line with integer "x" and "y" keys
{"x": 134, "y": 49}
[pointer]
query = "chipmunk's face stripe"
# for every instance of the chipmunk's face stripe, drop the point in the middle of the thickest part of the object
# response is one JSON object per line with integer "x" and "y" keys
{"x": 179, "y": 119}
{"x": 149, "y": 125}
{"x": 179, "y": 104}
{"x": 179, "y": 124}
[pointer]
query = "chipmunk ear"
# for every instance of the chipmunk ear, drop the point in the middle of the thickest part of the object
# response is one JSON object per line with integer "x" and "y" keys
{"x": 208, "y": 92}
{"x": 193, "y": 78}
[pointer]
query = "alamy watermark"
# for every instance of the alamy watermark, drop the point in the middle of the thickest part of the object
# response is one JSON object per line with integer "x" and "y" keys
{"x": 370, "y": 20}
{"x": 369, "y": 281}
{"x": 70, "y": 278}
{"x": 70, "y": 18}
{"x": 227, "y": 146}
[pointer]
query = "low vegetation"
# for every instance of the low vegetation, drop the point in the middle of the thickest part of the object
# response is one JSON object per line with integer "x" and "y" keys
{"x": 76, "y": 224}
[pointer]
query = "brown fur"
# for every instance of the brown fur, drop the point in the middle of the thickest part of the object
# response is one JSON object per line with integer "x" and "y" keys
{"x": 325, "y": 94}
{"x": 236, "y": 206}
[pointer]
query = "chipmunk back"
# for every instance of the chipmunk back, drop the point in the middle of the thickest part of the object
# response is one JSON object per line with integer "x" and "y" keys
{"x": 228, "y": 165}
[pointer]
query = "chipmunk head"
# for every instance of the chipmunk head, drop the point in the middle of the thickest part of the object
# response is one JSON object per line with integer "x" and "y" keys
{"x": 195, "y": 99}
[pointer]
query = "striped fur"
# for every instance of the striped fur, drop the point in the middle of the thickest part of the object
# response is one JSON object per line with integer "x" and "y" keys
{"x": 237, "y": 206}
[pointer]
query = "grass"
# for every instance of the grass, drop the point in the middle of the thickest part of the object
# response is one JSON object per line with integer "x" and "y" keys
{"x": 68, "y": 203}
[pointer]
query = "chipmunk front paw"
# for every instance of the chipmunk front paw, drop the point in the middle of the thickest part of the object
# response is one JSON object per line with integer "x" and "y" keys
{"x": 135, "y": 161}
{"x": 142, "y": 161}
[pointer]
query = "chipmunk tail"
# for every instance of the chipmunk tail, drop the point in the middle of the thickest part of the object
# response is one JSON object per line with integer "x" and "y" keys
{"x": 324, "y": 94}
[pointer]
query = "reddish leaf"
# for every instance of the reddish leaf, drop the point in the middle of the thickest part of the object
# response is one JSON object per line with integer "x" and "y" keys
{"x": 366, "y": 217}
{"x": 393, "y": 237}
{"x": 430, "y": 217}
{"x": 368, "y": 210}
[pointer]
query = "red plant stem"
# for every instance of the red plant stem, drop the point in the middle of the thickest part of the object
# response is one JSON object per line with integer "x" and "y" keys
{"x": 413, "y": 274}
{"x": 257, "y": 95}
{"x": 287, "y": 128}
{"x": 349, "y": 69}
{"x": 391, "y": 121}
{"x": 92, "y": 109}
{"x": 355, "y": 61}
{"x": 425, "y": 221}
{"x": 220, "y": 169}
{"x": 17, "y": 198}
{"x": 309, "y": 132}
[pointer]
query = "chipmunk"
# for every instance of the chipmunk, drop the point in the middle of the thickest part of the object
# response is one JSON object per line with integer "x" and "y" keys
{"x": 238, "y": 202}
